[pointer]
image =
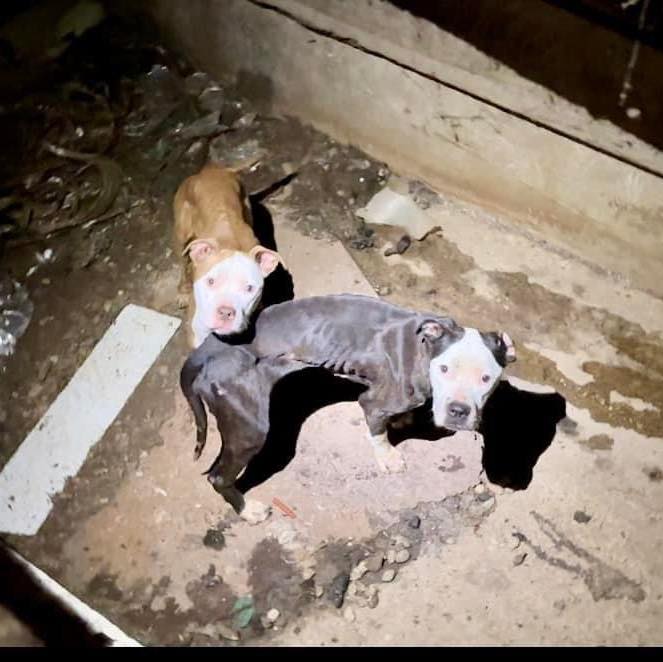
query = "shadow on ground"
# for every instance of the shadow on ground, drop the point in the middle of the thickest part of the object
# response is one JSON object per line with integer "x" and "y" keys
{"x": 518, "y": 426}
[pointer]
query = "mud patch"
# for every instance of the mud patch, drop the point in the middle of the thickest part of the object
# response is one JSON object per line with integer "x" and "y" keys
{"x": 599, "y": 442}
{"x": 276, "y": 582}
{"x": 655, "y": 474}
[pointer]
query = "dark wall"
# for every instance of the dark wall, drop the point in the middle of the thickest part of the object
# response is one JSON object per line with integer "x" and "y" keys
{"x": 579, "y": 49}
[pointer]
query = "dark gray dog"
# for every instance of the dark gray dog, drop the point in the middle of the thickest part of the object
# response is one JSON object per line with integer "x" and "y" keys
{"x": 403, "y": 358}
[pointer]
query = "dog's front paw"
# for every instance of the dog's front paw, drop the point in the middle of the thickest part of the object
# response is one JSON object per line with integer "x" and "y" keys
{"x": 255, "y": 512}
{"x": 390, "y": 460}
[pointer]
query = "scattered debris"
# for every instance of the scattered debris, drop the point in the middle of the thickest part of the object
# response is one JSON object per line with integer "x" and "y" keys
{"x": 359, "y": 571}
{"x": 203, "y": 127}
{"x": 245, "y": 121}
{"x": 484, "y": 495}
{"x": 388, "y": 575}
{"x": 519, "y": 559}
{"x": 284, "y": 508}
{"x": 243, "y": 611}
{"x": 401, "y": 246}
{"x": 581, "y": 517}
{"x": 401, "y": 541}
{"x": 374, "y": 562}
{"x": 363, "y": 239}
{"x": 226, "y": 632}
{"x": 337, "y": 589}
{"x": 390, "y": 208}
{"x": 234, "y": 156}
{"x": 273, "y": 615}
{"x": 15, "y": 314}
{"x": 402, "y": 556}
{"x": 214, "y": 539}
{"x": 414, "y": 522}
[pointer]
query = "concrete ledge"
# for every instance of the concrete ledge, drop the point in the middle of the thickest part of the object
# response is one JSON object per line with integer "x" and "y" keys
{"x": 596, "y": 207}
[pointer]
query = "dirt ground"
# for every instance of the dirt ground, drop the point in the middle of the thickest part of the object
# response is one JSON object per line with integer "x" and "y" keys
{"x": 532, "y": 532}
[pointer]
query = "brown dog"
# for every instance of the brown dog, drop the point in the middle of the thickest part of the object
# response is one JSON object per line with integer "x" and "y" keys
{"x": 224, "y": 266}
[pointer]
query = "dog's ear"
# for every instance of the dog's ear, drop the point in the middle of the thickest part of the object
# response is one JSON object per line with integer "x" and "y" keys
{"x": 501, "y": 345}
{"x": 267, "y": 259}
{"x": 199, "y": 249}
{"x": 438, "y": 327}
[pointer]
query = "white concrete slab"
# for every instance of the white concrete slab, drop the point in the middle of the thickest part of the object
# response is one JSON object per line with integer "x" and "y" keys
{"x": 57, "y": 447}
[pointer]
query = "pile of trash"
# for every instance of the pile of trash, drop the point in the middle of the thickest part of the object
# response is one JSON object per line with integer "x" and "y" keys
{"x": 94, "y": 128}
{"x": 93, "y": 140}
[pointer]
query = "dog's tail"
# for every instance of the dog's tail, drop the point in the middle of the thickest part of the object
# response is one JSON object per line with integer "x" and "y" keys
{"x": 188, "y": 375}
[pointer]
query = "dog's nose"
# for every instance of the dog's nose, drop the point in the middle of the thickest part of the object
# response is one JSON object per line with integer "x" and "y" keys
{"x": 458, "y": 409}
{"x": 226, "y": 313}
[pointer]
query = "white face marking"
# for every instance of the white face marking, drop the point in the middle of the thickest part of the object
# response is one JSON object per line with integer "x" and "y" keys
{"x": 227, "y": 295}
{"x": 462, "y": 378}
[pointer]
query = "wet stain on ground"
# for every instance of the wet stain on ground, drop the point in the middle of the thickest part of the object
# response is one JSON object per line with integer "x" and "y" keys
{"x": 603, "y": 581}
{"x": 599, "y": 442}
{"x": 531, "y": 312}
{"x": 655, "y": 474}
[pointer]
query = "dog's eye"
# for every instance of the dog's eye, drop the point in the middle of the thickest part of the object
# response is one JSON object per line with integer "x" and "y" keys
{"x": 210, "y": 281}
{"x": 444, "y": 368}
{"x": 249, "y": 288}
{"x": 485, "y": 379}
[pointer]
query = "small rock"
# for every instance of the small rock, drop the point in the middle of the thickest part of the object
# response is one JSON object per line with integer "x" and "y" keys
{"x": 519, "y": 559}
{"x": 401, "y": 246}
{"x": 359, "y": 571}
{"x": 226, "y": 632}
{"x": 214, "y": 539}
{"x": 414, "y": 522}
{"x": 272, "y": 615}
{"x": 581, "y": 517}
{"x": 480, "y": 488}
{"x": 308, "y": 573}
{"x": 318, "y": 591}
{"x": 402, "y": 556}
{"x": 265, "y": 622}
{"x": 374, "y": 563}
{"x": 401, "y": 541}
{"x": 337, "y": 589}
{"x": 633, "y": 113}
{"x": 484, "y": 495}
{"x": 568, "y": 425}
{"x": 349, "y": 614}
{"x": 391, "y": 556}
{"x": 373, "y": 601}
{"x": 388, "y": 575}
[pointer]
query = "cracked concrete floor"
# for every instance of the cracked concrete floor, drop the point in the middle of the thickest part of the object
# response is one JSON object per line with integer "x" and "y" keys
{"x": 572, "y": 558}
